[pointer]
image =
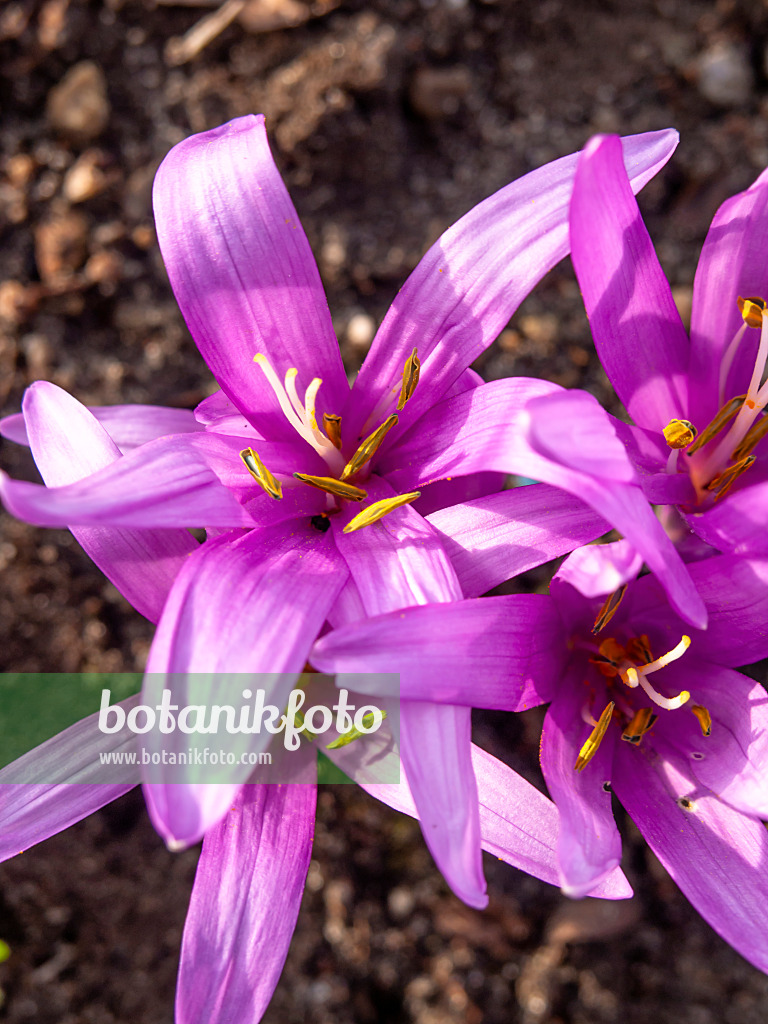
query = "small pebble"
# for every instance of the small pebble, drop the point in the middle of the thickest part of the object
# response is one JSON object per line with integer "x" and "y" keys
{"x": 400, "y": 903}
{"x": 78, "y": 106}
{"x": 85, "y": 177}
{"x": 60, "y": 246}
{"x": 725, "y": 75}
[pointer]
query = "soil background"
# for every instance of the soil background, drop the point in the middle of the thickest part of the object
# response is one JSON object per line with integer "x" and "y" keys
{"x": 389, "y": 119}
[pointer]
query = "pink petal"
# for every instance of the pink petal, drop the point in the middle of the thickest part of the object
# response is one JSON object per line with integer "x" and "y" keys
{"x": 529, "y": 427}
{"x": 128, "y": 425}
{"x": 492, "y": 539}
{"x": 498, "y": 652}
{"x": 716, "y": 855}
{"x": 435, "y": 742}
{"x": 396, "y": 562}
{"x": 68, "y": 444}
{"x": 638, "y": 332}
{"x": 60, "y": 782}
{"x": 598, "y": 569}
{"x": 733, "y": 262}
{"x": 472, "y": 280}
{"x": 244, "y": 905}
{"x": 251, "y": 605}
{"x": 731, "y": 761}
{"x": 242, "y": 270}
{"x": 589, "y": 844}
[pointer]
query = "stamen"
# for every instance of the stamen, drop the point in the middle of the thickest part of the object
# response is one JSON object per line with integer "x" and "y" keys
{"x": 762, "y": 351}
{"x": 290, "y": 390}
{"x": 589, "y": 749}
{"x": 637, "y": 677}
{"x": 641, "y": 722}
{"x": 301, "y": 415}
{"x": 261, "y": 474}
{"x": 679, "y": 433}
{"x": 722, "y": 483}
{"x": 639, "y": 650}
{"x": 332, "y": 428}
{"x": 724, "y": 417}
{"x": 754, "y": 436}
{"x": 309, "y": 401}
{"x": 727, "y": 361}
{"x": 608, "y": 610}
{"x": 378, "y": 510}
{"x": 333, "y": 486}
{"x": 368, "y": 448}
{"x": 411, "y": 373}
{"x": 279, "y": 389}
{"x": 754, "y": 400}
{"x": 751, "y": 310}
{"x": 610, "y": 655}
{"x": 704, "y": 718}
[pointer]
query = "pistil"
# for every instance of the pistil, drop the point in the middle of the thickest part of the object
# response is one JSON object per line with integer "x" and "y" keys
{"x": 327, "y": 443}
{"x": 633, "y": 677}
{"x": 301, "y": 416}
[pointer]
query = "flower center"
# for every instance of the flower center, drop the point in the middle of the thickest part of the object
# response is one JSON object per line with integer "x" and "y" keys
{"x": 625, "y": 668}
{"x": 717, "y": 457}
{"x": 327, "y": 442}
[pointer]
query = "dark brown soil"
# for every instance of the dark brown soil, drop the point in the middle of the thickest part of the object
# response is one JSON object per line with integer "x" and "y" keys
{"x": 389, "y": 119}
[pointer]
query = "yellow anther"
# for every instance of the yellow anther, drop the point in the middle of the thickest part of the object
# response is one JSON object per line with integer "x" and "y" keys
{"x": 368, "y": 448}
{"x": 411, "y": 373}
{"x": 333, "y": 486}
{"x": 261, "y": 474}
{"x": 608, "y": 610}
{"x": 722, "y": 483}
{"x": 751, "y": 310}
{"x": 679, "y": 433}
{"x": 704, "y": 717}
{"x": 753, "y": 437}
{"x": 641, "y": 722}
{"x": 378, "y": 510}
{"x": 589, "y": 749}
{"x": 332, "y": 428}
{"x": 724, "y": 417}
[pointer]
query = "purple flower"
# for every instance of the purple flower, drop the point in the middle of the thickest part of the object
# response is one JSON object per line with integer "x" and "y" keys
{"x": 290, "y": 455}
{"x": 640, "y": 706}
{"x": 698, "y": 439}
{"x": 253, "y": 863}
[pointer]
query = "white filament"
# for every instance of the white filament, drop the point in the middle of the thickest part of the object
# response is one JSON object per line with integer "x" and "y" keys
{"x": 301, "y": 415}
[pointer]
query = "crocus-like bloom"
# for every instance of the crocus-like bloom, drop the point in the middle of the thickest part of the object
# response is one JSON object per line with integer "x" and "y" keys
{"x": 252, "y": 867}
{"x": 698, "y": 439}
{"x": 640, "y": 705}
{"x": 294, "y": 475}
